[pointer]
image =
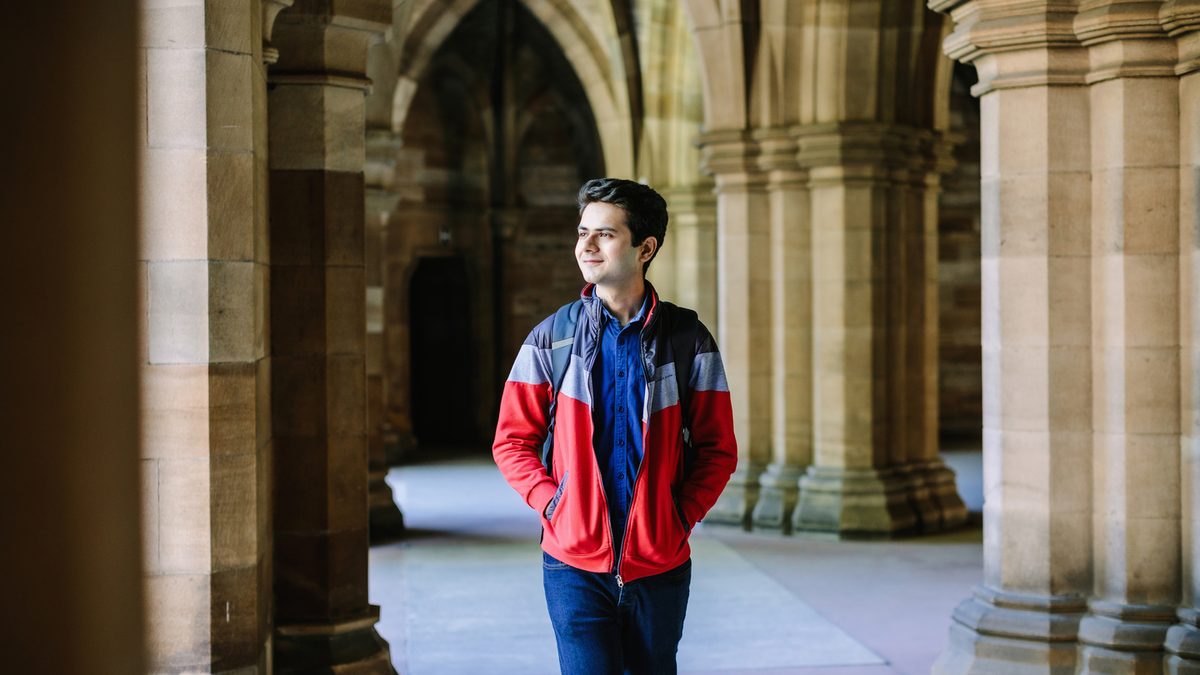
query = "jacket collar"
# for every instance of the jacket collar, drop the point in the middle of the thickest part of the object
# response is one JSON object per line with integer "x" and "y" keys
{"x": 594, "y": 307}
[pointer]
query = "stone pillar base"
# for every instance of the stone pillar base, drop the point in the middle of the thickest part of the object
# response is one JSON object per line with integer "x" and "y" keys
{"x": 1116, "y": 638}
{"x": 920, "y": 498}
{"x": 1183, "y": 644}
{"x": 398, "y": 444}
{"x": 779, "y": 490}
{"x": 853, "y": 503}
{"x": 736, "y": 503}
{"x": 943, "y": 490}
{"x": 350, "y": 647}
{"x": 996, "y": 632}
{"x": 386, "y": 520}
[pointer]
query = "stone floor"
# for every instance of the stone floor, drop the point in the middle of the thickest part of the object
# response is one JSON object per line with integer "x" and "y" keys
{"x": 462, "y": 593}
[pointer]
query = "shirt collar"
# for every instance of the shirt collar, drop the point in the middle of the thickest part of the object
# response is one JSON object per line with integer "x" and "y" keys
{"x": 641, "y": 313}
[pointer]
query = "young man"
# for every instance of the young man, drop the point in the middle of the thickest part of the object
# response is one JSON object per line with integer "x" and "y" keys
{"x": 624, "y": 484}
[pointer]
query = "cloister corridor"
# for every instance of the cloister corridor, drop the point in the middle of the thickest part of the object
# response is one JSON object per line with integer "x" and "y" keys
{"x": 461, "y": 592}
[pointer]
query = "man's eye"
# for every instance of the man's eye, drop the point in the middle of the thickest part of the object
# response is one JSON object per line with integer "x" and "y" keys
{"x": 582, "y": 234}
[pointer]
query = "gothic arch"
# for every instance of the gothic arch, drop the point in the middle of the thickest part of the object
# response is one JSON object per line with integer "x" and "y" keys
{"x": 431, "y": 22}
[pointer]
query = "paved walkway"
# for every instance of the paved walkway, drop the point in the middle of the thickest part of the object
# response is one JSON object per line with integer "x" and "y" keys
{"x": 462, "y": 594}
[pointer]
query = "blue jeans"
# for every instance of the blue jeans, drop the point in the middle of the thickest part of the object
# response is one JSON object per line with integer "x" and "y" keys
{"x": 602, "y": 629}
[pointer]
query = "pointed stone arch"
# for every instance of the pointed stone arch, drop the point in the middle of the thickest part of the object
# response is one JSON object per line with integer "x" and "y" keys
{"x": 432, "y": 22}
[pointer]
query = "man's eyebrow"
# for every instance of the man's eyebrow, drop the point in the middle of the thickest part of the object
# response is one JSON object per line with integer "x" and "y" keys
{"x": 601, "y": 228}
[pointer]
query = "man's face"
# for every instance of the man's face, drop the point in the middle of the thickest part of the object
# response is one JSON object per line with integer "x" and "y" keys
{"x": 605, "y": 250}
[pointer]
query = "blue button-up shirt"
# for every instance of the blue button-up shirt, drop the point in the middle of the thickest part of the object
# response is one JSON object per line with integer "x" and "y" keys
{"x": 619, "y": 387}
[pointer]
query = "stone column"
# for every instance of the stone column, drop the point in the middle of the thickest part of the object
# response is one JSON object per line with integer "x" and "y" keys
{"x": 206, "y": 446}
{"x": 1181, "y": 19}
{"x": 318, "y": 334}
{"x": 1036, "y": 196}
{"x": 693, "y": 234}
{"x": 743, "y": 311}
{"x": 934, "y": 491}
{"x": 852, "y": 487}
{"x": 1135, "y": 328}
{"x": 385, "y": 518}
{"x": 73, "y": 592}
{"x": 791, "y": 331}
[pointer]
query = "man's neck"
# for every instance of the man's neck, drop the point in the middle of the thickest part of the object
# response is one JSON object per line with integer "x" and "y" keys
{"x": 625, "y": 301}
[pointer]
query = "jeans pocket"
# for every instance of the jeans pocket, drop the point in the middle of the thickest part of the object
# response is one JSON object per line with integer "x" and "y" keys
{"x": 551, "y": 563}
{"x": 552, "y": 507}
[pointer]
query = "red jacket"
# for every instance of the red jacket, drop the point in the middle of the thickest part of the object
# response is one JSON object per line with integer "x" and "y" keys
{"x": 579, "y": 534}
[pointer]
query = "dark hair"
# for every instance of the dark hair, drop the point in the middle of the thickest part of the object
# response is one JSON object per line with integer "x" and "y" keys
{"x": 646, "y": 209}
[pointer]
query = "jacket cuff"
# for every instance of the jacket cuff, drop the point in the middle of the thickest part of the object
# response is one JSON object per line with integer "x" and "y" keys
{"x": 540, "y": 496}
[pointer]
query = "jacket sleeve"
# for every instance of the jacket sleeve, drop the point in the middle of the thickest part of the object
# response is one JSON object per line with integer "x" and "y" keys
{"x": 521, "y": 427}
{"x": 711, "y": 416}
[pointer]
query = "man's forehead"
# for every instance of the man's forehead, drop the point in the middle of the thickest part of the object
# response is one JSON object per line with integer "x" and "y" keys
{"x": 602, "y": 216}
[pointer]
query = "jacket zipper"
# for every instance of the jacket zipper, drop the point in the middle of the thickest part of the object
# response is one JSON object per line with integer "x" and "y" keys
{"x": 637, "y": 478}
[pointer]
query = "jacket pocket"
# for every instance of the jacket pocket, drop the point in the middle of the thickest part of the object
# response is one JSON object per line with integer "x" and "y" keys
{"x": 682, "y": 519}
{"x": 552, "y": 507}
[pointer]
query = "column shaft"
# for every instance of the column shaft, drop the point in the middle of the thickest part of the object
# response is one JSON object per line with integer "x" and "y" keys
{"x": 791, "y": 332}
{"x": 1035, "y": 171}
{"x": 1135, "y": 353}
{"x": 693, "y": 234}
{"x": 743, "y": 311}
{"x": 1181, "y": 19}
{"x": 318, "y": 339}
{"x": 854, "y": 486}
{"x": 935, "y": 492}
{"x": 385, "y": 518}
{"x": 206, "y": 452}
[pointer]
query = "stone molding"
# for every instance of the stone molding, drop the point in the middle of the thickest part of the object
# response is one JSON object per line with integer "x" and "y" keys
{"x": 1101, "y": 21}
{"x": 1183, "y": 639}
{"x": 1181, "y": 20}
{"x": 1031, "y": 43}
{"x": 1043, "y": 618}
{"x": 1125, "y": 40}
{"x": 323, "y": 42}
{"x": 379, "y": 169}
{"x": 854, "y": 502}
{"x": 270, "y": 12}
{"x": 729, "y": 154}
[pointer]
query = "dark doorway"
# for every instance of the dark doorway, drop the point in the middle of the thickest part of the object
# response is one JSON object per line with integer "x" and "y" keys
{"x": 443, "y": 354}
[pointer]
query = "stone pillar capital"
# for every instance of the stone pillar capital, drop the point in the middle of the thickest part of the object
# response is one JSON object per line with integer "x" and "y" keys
{"x": 270, "y": 11}
{"x": 1105, "y": 21}
{"x": 1180, "y": 16}
{"x": 325, "y": 41}
{"x": 731, "y": 157}
{"x": 1124, "y": 39}
{"x": 777, "y": 156}
{"x": 871, "y": 149}
{"x": 1181, "y": 20}
{"x": 1015, "y": 44}
{"x": 379, "y": 170}
{"x": 700, "y": 195}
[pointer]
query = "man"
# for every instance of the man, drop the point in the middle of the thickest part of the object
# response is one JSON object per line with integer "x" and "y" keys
{"x": 624, "y": 485}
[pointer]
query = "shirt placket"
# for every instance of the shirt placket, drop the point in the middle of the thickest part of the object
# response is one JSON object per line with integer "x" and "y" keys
{"x": 619, "y": 426}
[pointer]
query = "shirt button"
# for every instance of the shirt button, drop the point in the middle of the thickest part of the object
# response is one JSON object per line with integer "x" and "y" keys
{"x": 620, "y": 373}
{"x": 620, "y": 408}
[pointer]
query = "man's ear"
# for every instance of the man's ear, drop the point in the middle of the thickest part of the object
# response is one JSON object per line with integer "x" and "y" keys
{"x": 647, "y": 248}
